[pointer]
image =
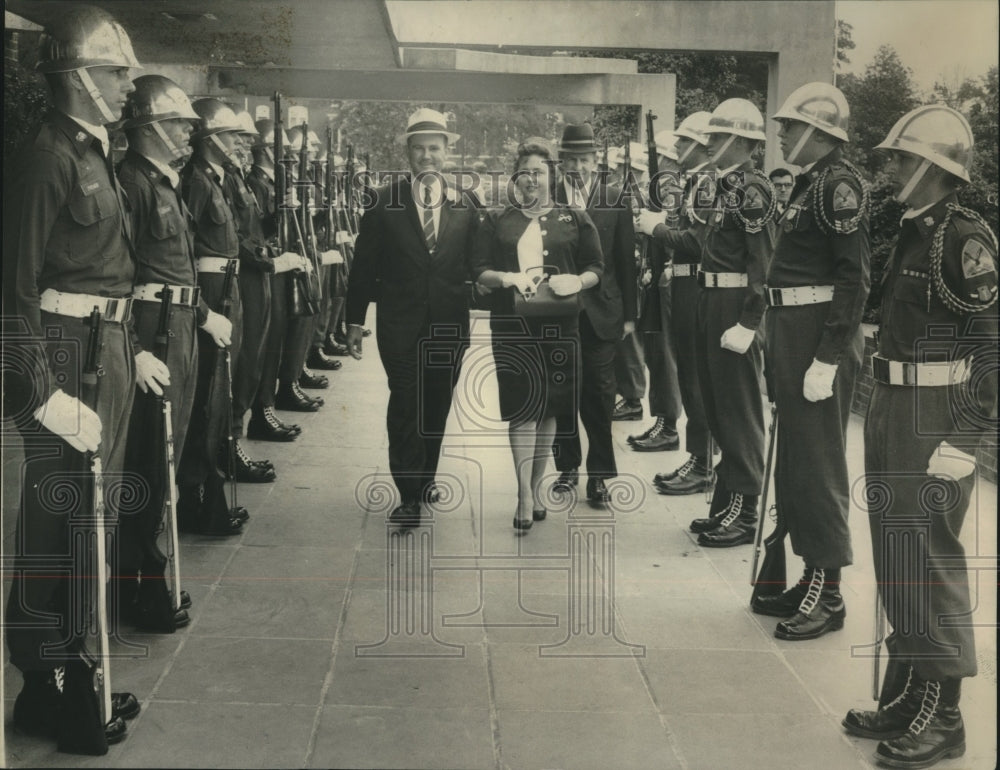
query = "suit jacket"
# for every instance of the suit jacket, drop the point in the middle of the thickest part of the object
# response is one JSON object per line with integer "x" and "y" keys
{"x": 412, "y": 287}
{"x": 613, "y": 301}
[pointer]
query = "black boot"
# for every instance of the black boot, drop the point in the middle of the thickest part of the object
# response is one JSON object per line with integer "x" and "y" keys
{"x": 566, "y": 482}
{"x": 264, "y": 425}
{"x": 627, "y": 409}
{"x": 785, "y": 604}
{"x": 319, "y": 360}
{"x": 894, "y": 713}
{"x": 716, "y": 511}
{"x": 696, "y": 475}
{"x": 247, "y": 471}
{"x": 79, "y": 727}
{"x": 736, "y": 527}
{"x": 291, "y": 398}
{"x": 663, "y": 438}
{"x": 821, "y": 610}
{"x": 309, "y": 379}
{"x": 216, "y": 516}
{"x": 188, "y": 507}
{"x": 646, "y": 433}
{"x": 936, "y": 732}
{"x": 153, "y": 611}
{"x": 36, "y": 704}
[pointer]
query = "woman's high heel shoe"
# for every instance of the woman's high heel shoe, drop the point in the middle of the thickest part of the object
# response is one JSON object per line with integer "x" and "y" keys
{"x": 522, "y": 525}
{"x": 539, "y": 515}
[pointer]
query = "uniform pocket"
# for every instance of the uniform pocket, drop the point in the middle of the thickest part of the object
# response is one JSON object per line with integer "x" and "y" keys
{"x": 164, "y": 224}
{"x": 219, "y": 212}
{"x": 88, "y": 208}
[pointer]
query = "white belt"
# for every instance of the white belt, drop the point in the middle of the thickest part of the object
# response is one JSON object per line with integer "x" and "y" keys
{"x": 935, "y": 374}
{"x": 180, "y": 295}
{"x": 722, "y": 280}
{"x": 798, "y": 295}
{"x": 684, "y": 271}
{"x": 215, "y": 264}
{"x": 115, "y": 310}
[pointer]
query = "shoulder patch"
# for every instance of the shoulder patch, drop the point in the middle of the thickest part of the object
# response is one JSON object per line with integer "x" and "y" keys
{"x": 844, "y": 198}
{"x": 754, "y": 199}
{"x": 976, "y": 258}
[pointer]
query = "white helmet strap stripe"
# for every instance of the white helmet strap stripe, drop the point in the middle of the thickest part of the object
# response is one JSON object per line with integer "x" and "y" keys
{"x": 95, "y": 95}
{"x": 722, "y": 150}
{"x": 221, "y": 147}
{"x": 800, "y": 144}
{"x": 683, "y": 155}
{"x": 174, "y": 150}
{"x": 909, "y": 187}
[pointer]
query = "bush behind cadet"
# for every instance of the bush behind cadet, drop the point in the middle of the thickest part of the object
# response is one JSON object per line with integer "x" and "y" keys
{"x": 934, "y": 399}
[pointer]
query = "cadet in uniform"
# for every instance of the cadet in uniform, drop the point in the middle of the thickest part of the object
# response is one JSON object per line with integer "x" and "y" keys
{"x": 737, "y": 247}
{"x": 934, "y": 399}
{"x": 817, "y": 285}
{"x": 202, "y": 505}
{"x": 158, "y": 123}
{"x": 654, "y": 322}
{"x": 256, "y": 265}
{"x": 66, "y": 236}
{"x": 264, "y": 422}
{"x": 685, "y": 236}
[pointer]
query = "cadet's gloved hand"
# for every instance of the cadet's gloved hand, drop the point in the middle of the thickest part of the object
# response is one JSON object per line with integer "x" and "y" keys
{"x": 646, "y": 220}
{"x": 566, "y": 284}
{"x": 818, "y": 382}
{"x": 306, "y": 264}
{"x": 286, "y": 261}
{"x": 520, "y": 281}
{"x": 219, "y": 328}
{"x": 332, "y": 257}
{"x": 481, "y": 290}
{"x": 151, "y": 373}
{"x": 72, "y": 420}
{"x": 737, "y": 338}
{"x": 948, "y": 462}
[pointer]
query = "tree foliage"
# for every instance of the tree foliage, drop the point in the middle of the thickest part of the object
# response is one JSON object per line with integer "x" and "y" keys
{"x": 25, "y": 99}
{"x": 845, "y": 43}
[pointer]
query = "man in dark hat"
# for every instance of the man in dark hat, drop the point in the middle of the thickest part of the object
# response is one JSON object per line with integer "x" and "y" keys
{"x": 607, "y": 314}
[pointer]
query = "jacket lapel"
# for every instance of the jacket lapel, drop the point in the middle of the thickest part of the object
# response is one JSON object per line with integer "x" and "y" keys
{"x": 416, "y": 228}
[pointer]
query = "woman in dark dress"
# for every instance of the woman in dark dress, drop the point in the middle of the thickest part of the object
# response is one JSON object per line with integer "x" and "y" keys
{"x": 537, "y": 356}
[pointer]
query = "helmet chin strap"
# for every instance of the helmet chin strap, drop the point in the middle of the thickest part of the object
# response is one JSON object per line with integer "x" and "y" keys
{"x": 171, "y": 146}
{"x": 791, "y": 157}
{"x": 95, "y": 96}
{"x": 222, "y": 148}
{"x": 722, "y": 150}
{"x": 681, "y": 158}
{"x": 911, "y": 185}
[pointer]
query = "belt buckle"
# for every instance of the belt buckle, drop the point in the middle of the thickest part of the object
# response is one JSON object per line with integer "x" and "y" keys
{"x": 774, "y": 297}
{"x": 880, "y": 369}
{"x": 908, "y": 373}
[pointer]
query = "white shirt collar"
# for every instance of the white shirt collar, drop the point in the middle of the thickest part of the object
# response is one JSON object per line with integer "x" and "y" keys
{"x": 218, "y": 170}
{"x": 98, "y": 132}
{"x": 268, "y": 172}
{"x": 172, "y": 176}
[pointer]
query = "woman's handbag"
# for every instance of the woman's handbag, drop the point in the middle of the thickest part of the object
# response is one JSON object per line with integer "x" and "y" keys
{"x": 545, "y": 302}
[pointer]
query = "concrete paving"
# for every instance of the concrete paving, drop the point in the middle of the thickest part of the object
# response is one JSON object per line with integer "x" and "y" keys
{"x": 323, "y": 638}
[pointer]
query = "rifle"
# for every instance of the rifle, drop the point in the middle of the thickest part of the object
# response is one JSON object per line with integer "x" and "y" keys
{"x": 771, "y": 579}
{"x": 877, "y": 653}
{"x": 88, "y": 395}
{"x": 331, "y": 192}
{"x": 162, "y": 344}
{"x": 646, "y": 243}
{"x": 306, "y": 232}
{"x": 300, "y": 301}
{"x": 352, "y": 220}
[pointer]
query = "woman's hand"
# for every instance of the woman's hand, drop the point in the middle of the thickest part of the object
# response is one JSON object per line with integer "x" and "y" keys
{"x": 520, "y": 281}
{"x": 565, "y": 285}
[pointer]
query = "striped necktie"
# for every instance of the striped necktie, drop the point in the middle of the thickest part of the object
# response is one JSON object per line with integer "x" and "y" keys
{"x": 429, "y": 235}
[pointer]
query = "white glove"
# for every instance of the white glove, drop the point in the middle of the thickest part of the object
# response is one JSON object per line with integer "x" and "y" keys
{"x": 219, "y": 328}
{"x": 306, "y": 264}
{"x": 151, "y": 373}
{"x": 520, "y": 281}
{"x": 737, "y": 339}
{"x": 647, "y": 220}
{"x": 818, "y": 382}
{"x": 288, "y": 260}
{"x": 332, "y": 257}
{"x": 948, "y": 462}
{"x": 566, "y": 284}
{"x": 72, "y": 420}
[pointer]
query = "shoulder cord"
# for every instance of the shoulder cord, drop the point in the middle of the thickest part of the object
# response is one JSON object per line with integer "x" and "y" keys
{"x": 846, "y": 225}
{"x": 951, "y": 300}
{"x": 756, "y": 225}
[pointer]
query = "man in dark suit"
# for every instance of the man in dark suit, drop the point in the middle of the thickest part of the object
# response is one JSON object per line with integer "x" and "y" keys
{"x": 412, "y": 258}
{"x": 608, "y": 313}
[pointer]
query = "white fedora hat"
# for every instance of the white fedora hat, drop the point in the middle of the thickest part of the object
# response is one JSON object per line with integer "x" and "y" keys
{"x": 427, "y": 121}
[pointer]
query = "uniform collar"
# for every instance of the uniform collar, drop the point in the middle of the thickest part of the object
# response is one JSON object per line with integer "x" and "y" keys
{"x": 82, "y": 139}
{"x": 220, "y": 172}
{"x": 160, "y": 170}
{"x": 268, "y": 173}
{"x": 927, "y": 219}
